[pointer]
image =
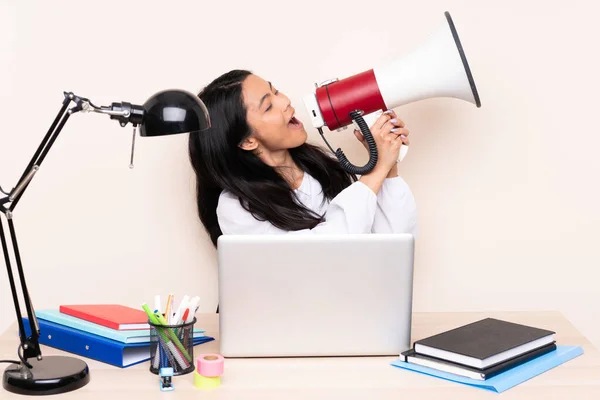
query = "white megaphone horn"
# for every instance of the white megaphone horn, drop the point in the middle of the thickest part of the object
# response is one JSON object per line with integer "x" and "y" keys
{"x": 438, "y": 68}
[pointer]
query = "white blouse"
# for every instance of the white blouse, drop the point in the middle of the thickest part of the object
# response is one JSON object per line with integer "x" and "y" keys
{"x": 355, "y": 209}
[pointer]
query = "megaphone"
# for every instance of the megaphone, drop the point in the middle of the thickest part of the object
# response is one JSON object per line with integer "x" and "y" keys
{"x": 439, "y": 68}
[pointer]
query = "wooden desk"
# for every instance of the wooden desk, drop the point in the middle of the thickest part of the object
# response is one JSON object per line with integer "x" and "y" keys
{"x": 347, "y": 378}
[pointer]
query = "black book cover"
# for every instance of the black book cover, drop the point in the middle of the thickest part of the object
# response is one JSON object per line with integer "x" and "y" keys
{"x": 489, "y": 372}
{"x": 484, "y": 338}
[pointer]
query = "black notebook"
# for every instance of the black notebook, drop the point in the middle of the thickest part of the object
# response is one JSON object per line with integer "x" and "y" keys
{"x": 484, "y": 343}
{"x": 411, "y": 356}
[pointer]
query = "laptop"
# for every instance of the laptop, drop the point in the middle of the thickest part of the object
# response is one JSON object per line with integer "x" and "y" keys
{"x": 297, "y": 295}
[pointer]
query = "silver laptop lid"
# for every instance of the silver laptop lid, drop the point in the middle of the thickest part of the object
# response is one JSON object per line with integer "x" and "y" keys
{"x": 315, "y": 295}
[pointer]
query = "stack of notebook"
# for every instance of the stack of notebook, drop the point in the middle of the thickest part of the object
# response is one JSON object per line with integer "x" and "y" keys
{"x": 114, "y": 334}
{"x": 487, "y": 349}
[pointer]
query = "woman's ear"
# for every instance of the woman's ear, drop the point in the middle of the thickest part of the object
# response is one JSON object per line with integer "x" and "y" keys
{"x": 249, "y": 144}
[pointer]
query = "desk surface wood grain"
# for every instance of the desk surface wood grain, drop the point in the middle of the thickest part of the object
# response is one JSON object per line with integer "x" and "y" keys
{"x": 341, "y": 377}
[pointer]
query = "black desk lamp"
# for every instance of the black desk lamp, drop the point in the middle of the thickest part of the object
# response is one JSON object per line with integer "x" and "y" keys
{"x": 167, "y": 112}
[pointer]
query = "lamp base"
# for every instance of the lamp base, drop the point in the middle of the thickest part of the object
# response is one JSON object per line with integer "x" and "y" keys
{"x": 51, "y": 375}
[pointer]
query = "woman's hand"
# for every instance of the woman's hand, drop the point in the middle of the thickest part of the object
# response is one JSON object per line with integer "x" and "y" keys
{"x": 389, "y": 133}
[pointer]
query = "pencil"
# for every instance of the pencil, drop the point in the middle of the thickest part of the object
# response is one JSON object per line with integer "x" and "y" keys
{"x": 168, "y": 308}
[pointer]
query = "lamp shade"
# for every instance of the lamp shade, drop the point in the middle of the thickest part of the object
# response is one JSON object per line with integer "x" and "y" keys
{"x": 174, "y": 111}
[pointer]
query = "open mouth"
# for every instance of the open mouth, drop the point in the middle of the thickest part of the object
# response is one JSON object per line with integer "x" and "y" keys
{"x": 295, "y": 123}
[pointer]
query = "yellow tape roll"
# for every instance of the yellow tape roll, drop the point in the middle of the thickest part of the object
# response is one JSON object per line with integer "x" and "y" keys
{"x": 206, "y": 382}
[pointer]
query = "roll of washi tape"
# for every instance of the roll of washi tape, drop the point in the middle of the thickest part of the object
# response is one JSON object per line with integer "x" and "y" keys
{"x": 206, "y": 382}
{"x": 209, "y": 368}
{"x": 210, "y": 365}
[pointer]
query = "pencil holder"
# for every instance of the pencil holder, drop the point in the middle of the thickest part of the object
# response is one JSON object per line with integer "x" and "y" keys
{"x": 172, "y": 346}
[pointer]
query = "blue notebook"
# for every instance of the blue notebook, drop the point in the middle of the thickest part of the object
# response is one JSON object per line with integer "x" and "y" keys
{"x": 93, "y": 346}
{"x": 508, "y": 379}
{"x": 129, "y": 337}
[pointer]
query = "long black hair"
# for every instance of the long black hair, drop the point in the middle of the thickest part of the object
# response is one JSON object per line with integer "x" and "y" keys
{"x": 219, "y": 163}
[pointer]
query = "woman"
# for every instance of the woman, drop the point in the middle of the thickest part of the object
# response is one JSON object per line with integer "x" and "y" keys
{"x": 257, "y": 175}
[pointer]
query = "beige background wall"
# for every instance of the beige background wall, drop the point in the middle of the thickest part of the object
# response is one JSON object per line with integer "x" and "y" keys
{"x": 508, "y": 194}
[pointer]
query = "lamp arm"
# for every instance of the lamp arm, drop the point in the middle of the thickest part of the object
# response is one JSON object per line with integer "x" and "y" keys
{"x": 29, "y": 344}
{"x": 124, "y": 113}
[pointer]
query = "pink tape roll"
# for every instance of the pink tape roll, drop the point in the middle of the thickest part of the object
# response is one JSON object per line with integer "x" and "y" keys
{"x": 210, "y": 365}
